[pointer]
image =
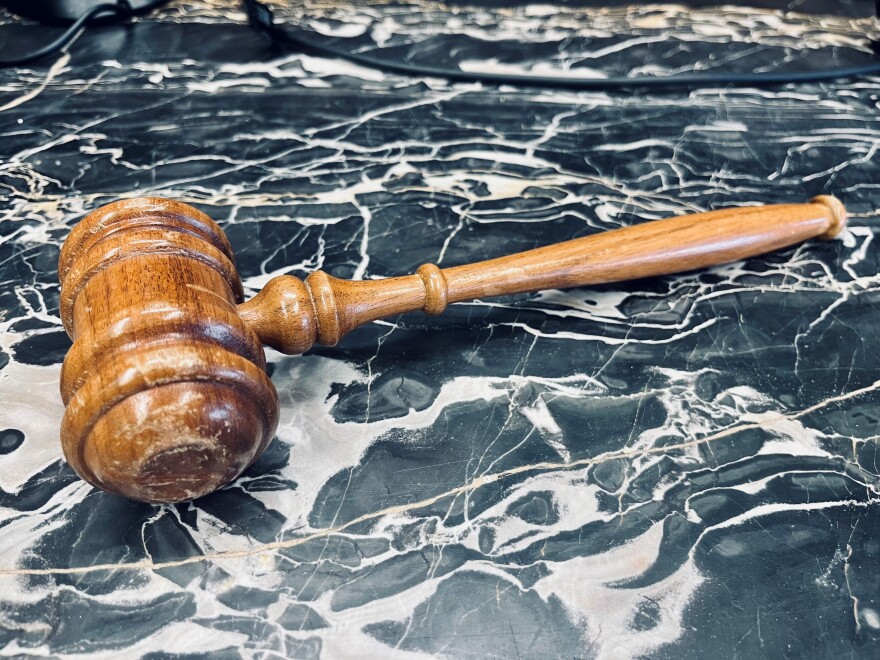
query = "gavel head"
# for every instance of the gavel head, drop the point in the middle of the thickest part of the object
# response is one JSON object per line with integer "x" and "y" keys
{"x": 165, "y": 386}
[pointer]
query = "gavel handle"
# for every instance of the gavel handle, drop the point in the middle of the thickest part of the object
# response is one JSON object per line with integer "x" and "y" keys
{"x": 290, "y": 315}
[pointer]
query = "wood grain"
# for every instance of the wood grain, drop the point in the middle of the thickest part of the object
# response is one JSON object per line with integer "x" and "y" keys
{"x": 165, "y": 385}
{"x": 291, "y": 315}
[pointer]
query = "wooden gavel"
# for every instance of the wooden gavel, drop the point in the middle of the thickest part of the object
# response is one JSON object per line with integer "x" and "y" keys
{"x": 165, "y": 385}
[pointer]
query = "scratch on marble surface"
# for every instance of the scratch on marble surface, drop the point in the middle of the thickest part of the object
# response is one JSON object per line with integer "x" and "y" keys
{"x": 766, "y": 422}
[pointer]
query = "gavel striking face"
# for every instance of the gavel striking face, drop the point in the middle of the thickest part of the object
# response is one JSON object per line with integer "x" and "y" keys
{"x": 165, "y": 386}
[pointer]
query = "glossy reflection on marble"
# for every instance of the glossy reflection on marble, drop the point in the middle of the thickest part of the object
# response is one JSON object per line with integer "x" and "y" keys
{"x": 678, "y": 467}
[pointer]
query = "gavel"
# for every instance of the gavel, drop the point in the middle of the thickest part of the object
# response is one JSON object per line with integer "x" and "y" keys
{"x": 165, "y": 386}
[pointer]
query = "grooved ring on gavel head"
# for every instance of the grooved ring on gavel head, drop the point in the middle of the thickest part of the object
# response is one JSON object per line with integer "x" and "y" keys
{"x": 165, "y": 386}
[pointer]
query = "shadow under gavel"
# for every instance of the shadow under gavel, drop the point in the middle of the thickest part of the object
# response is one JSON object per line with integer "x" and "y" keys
{"x": 165, "y": 385}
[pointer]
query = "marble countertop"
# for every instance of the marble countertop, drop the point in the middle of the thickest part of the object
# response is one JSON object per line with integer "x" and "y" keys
{"x": 677, "y": 467}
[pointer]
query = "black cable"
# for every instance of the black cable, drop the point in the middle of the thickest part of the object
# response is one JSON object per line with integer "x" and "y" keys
{"x": 122, "y": 9}
{"x": 261, "y": 18}
{"x": 681, "y": 80}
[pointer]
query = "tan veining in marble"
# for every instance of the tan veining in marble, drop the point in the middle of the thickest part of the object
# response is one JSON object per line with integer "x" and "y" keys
{"x": 767, "y": 422}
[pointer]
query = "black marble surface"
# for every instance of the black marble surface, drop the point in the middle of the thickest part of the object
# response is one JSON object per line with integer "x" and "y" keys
{"x": 678, "y": 467}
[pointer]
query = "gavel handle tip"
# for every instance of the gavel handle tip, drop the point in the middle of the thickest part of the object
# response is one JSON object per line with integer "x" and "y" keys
{"x": 837, "y": 212}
